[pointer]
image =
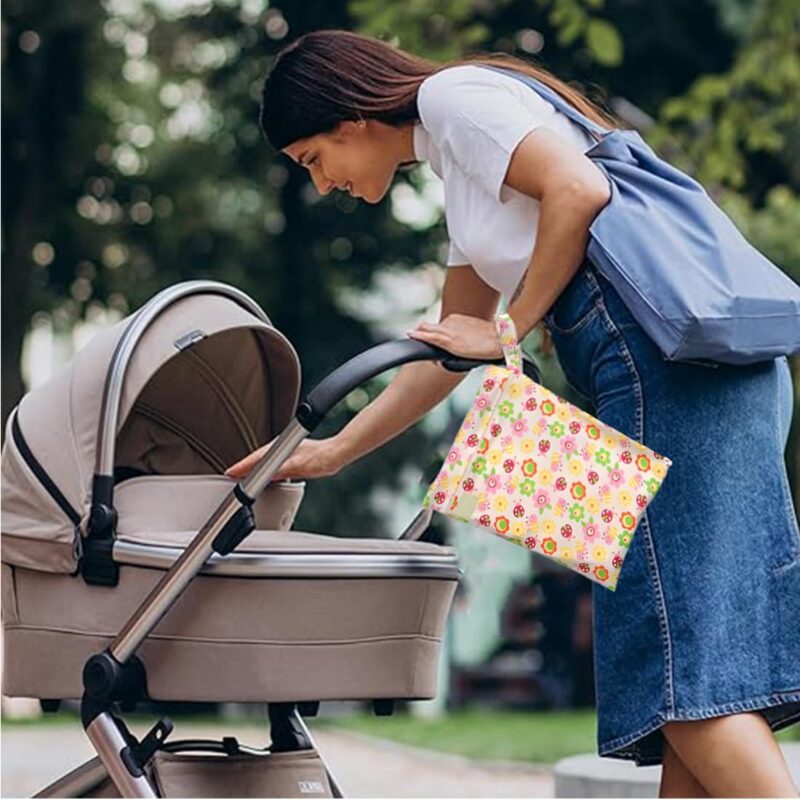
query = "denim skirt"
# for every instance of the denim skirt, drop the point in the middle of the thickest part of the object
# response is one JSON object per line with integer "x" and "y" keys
{"x": 705, "y": 620}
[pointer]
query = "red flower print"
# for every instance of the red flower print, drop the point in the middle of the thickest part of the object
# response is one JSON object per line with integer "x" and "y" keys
{"x": 628, "y": 520}
{"x": 549, "y": 545}
{"x": 643, "y": 462}
{"x": 592, "y": 431}
{"x": 601, "y": 573}
{"x": 548, "y": 408}
{"x": 577, "y": 490}
{"x": 501, "y": 524}
{"x": 528, "y": 467}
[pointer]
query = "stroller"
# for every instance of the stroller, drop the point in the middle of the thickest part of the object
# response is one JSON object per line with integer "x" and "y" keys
{"x": 134, "y": 570}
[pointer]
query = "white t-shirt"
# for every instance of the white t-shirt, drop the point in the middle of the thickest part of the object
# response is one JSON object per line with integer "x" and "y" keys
{"x": 472, "y": 119}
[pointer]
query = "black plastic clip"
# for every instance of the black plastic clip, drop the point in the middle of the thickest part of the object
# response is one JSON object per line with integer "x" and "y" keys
{"x": 143, "y": 751}
{"x": 238, "y": 528}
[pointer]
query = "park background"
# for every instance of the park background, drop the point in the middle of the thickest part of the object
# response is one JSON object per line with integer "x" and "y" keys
{"x": 132, "y": 160}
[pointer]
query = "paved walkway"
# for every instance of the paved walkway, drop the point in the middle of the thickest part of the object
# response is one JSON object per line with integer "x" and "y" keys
{"x": 34, "y": 756}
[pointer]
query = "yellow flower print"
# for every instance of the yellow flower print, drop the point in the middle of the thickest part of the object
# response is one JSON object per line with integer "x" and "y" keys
{"x": 548, "y": 527}
{"x": 599, "y": 553}
{"x": 659, "y": 470}
{"x": 566, "y": 555}
{"x": 494, "y": 456}
{"x": 563, "y": 415}
{"x": 624, "y": 498}
{"x": 609, "y": 441}
{"x": 592, "y": 505}
{"x": 518, "y": 528}
{"x": 545, "y": 478}
{"x": 575, "y": 467}
{"x": 500, "y": 503}
{"x": 527, "y": 446}
{"x": 515, "y": 391}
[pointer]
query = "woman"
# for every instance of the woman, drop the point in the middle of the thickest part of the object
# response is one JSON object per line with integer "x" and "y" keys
{"x": 697, "y": 657}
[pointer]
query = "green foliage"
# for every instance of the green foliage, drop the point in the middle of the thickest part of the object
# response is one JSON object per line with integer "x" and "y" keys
{"x": 573, "y": 21}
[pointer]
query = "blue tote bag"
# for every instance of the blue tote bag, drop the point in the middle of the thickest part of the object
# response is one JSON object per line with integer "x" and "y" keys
{"x": 697, "y": 287}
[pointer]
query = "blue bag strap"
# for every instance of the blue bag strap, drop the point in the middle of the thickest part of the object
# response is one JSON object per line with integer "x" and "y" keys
{"x": 548, "y": 94}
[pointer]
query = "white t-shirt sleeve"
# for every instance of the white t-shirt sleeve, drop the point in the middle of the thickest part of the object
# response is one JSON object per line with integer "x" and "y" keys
{"x": 479, "y": 118}
{"x": 454, "y": 256}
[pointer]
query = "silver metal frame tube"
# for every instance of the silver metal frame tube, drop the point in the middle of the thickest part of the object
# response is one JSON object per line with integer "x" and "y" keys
{"x": 78, "y": 782}
{"x": 106, "y": 435}
{"x": 335, "y": 787}
{"x": 164, "y": 594}
{"x": 108, "y": 741}
{"x": 418, "y": 525}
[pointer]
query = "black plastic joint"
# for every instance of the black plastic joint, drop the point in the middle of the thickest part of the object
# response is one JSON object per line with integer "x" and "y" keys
{"x": 239, "y": 527}
{"x": 307, "y": 416}
{"x": 106, "y": 681}
{"x": 98, "y": 567}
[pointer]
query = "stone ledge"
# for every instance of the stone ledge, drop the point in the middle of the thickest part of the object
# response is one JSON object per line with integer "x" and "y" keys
{"x": 589, "y": 775}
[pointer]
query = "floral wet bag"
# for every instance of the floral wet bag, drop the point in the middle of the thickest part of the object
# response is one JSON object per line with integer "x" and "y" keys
{"x": 533, "y": 468}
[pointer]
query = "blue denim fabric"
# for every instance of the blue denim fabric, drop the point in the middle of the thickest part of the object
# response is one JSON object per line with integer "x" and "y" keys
{"x": 705, "y": 620}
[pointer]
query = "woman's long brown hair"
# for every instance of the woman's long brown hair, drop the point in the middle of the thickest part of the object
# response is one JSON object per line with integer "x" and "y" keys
{"x": 328, "y": 76}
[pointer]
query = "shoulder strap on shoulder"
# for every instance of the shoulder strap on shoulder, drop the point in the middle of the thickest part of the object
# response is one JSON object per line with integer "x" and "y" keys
{"x": 548, "y": 94}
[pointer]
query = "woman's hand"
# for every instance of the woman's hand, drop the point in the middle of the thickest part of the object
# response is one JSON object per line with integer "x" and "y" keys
{"x": 469, "y": 337}
{"x": 313, "y": 458}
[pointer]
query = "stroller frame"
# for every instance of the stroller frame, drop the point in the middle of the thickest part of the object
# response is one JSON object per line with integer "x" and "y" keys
{"x": 116, "y": 676}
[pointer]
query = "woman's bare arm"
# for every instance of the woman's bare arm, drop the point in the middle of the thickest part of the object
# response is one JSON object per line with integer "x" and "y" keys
{"x": 419, "y": 386}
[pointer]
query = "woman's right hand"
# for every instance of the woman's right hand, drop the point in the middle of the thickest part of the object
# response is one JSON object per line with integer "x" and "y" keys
{"x": 312, "y": 458}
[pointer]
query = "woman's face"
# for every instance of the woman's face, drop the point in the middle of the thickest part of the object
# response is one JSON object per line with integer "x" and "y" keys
{"x": 359, "y": 157}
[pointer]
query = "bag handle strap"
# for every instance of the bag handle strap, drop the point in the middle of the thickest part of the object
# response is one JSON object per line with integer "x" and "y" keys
{"x": 559, "y": 102}
{"x": 507, "y": 334}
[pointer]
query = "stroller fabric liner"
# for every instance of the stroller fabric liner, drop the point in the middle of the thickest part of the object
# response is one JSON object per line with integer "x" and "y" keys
{"x": 288, "y": 616}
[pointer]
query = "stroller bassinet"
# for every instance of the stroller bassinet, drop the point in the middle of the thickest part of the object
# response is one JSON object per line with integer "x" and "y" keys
{"x": 113, "y": 500}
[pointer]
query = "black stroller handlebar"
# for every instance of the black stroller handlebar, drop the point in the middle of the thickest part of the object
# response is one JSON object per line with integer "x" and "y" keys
{"x": 370, "y": 363}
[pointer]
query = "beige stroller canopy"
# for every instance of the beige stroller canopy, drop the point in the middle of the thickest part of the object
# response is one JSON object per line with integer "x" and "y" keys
{"x": 208, "y": 380}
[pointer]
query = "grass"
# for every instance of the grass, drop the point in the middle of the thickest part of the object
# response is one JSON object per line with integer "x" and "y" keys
{"x": 528, "y": 736}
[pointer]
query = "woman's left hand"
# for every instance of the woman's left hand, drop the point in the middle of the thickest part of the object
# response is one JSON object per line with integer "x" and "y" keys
{"x": 469, "y": 337}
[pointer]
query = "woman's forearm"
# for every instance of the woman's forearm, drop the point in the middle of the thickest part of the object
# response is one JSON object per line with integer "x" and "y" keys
{"x": 414, "y": 391}
{"x": 561, "y": 240}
